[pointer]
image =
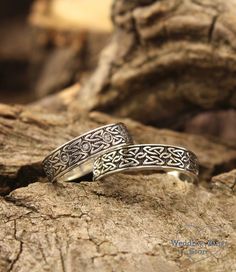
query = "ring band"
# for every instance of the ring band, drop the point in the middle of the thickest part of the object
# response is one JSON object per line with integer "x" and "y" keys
{"x": 75, "y": 158}
{"x": 174, "y": 160}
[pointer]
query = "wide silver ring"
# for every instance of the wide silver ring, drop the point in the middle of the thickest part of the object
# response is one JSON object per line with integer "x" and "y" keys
{"x": 174, "y": 160}
{"x": 75, "y": 158}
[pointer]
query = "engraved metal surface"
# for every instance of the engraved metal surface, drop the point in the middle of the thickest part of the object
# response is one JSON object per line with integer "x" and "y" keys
{"x": 83, "y": 148}
{"x": 147, "y": 156}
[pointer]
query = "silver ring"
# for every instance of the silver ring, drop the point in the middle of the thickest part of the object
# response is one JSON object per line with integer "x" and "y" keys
{"x": 174, "y": 160}
{"x": 75, "y": 158}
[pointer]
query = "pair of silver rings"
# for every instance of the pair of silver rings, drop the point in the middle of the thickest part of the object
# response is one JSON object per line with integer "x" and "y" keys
{"x": 110, "y": 149}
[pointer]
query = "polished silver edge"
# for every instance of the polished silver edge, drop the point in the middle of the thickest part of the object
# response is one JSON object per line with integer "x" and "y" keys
{"x": 80, "y": 136}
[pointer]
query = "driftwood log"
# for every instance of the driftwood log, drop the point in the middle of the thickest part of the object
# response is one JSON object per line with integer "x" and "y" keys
{"x": 123, "y": 223}
{"x": 162, "y": 65}
{"x": 167, "y": 58}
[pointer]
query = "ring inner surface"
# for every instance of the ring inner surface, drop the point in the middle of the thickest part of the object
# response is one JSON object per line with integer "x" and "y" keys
{"x": 182, "y": 175}
{"x": 78, "y": 171}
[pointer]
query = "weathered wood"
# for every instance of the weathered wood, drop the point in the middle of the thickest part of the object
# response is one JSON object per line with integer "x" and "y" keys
{"x": 226, "y": 180}
{"x": 30, "y": 135}
{"x": 124, "y": 223}
{"x": 56, "y": 103}
{"x": 167, "y": 61}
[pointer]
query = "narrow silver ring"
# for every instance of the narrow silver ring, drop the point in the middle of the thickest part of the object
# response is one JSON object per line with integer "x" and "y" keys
{"x": 174, "y": 160}
{"x": 75, "y": 158}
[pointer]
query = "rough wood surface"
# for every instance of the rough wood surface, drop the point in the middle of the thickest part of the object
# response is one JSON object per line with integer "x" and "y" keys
{"x": 176, "y": 58}
{"x": 123, "y": 223}
{"x": 56, "y": 103}
{"x": 31, "y": 135}
{"x": 226, "y": 180}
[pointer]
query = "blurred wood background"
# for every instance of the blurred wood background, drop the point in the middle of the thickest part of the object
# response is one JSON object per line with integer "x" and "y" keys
{"x": 50, "y": 45}
{"x": 48, "y": 49}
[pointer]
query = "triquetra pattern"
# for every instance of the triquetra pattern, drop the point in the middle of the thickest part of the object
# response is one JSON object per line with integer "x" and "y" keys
{"x": 83, "y": 147}
{"x": 136, "y": 156}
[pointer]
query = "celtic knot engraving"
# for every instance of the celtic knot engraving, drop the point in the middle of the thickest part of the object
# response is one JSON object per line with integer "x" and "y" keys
{"x": 83, "y": 148}
{"x": 141, "y": 156}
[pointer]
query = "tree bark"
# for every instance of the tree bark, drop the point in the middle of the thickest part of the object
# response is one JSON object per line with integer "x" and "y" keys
{"x": 167, "y": 61}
